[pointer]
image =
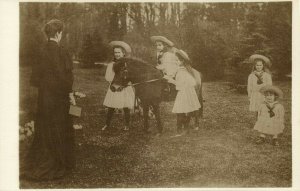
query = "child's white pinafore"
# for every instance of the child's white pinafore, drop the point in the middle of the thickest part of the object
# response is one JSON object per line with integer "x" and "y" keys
{"x": 122, "y": 99}
{"x": 270, "y": 125}
{"x": 186, "y": 99}
{"x": 257, "y": 98}
{"x": 169, "y": 63}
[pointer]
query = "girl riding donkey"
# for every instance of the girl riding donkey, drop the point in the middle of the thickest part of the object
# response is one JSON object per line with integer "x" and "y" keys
{"x": 167, "y": 62}
{"x": 186, "y": 101}
{"x": 165, "y": 57}
{"x": 121, "y": 97}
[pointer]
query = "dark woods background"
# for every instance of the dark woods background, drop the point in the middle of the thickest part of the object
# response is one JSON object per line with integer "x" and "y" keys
{"x": 218, "y": 36}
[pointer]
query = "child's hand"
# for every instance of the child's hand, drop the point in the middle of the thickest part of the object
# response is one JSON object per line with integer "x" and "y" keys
{"x": 169, "y": 79}
{"x": 158, "y": 67}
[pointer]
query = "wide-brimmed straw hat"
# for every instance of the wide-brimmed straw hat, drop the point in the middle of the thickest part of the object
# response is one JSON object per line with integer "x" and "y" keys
{"x": 182, "y": 54}
{"x": 266, "y": 60}
{"x": 121, "y": 44}
{"x": 270, "y": 88}
{"x": 162, "y": 39}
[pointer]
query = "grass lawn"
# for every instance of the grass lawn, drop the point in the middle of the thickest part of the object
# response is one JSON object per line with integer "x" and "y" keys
{"x": 221, "y": 154}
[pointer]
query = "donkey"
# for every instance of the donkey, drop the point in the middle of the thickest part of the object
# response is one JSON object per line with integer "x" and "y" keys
{"x": 149, "y": 84}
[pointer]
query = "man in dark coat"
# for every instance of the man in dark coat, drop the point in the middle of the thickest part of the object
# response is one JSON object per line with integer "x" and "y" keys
{"x": 52, "y": 152}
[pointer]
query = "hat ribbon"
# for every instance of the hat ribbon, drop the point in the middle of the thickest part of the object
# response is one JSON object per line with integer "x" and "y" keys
{"x": 259, "y": 78}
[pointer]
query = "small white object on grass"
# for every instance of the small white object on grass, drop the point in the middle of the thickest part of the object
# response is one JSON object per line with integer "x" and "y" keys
{"x": 77, "y": 127}
{"x": 80, "y": 94}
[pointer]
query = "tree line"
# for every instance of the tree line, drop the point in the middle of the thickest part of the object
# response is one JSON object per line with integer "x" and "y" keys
{"x": 219, "y": 37}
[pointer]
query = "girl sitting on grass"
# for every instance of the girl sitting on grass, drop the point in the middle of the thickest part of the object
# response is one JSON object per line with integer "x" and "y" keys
{"x": 270, "y": 115}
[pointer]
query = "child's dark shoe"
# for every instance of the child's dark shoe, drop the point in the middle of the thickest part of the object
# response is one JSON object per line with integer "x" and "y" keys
{"x": 275, "y": 142}
{"x": 260, "y": 140}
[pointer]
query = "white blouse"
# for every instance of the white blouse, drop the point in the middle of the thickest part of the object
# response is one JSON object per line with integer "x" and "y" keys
{"x": 109, "y": 74}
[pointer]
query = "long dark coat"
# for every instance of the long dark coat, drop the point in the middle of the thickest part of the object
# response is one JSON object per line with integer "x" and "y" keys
{"x": 52, "y": 152}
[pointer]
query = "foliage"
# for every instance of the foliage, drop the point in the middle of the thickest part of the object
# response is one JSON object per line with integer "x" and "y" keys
{"x": 93, "y": 50}
{"x": 218, "y": 36}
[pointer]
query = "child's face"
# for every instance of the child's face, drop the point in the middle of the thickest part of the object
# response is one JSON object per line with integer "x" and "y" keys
{"x": 118, "y": 53}
{"x": 259, "y": 66}
{"x": 270, "y": 97}
{"x": 159, "y": 46}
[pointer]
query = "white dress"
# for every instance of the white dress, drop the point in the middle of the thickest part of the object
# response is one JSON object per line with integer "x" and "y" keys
{"x": 169, "y": 63}
{"x": 270, "y": 125}
{"x": 122, "y": 99}
{"x": 257, "y": 98}
{"x": 186, "y": 99}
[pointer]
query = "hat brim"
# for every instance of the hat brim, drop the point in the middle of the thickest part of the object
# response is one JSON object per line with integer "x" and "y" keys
{"x": 271, "y": 88}
{"x": 162, "y": 39}
{"x": 183, "y": 54}
{"x": 266, "y": 60}
{"x": 122, "y": 44}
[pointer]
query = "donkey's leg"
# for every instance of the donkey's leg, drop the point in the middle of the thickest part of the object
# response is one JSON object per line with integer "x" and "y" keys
{"x": 109, "y": 116}
{"x": 145, "y": 106}
{"x": 156, "y": 111}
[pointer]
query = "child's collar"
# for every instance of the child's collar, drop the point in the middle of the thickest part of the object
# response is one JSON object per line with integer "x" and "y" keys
{"x": 271, "y": 104}
{"x": 257, "y": 72}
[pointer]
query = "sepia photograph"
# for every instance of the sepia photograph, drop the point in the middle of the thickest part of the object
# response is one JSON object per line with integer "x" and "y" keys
{"x": 155, "y": 95}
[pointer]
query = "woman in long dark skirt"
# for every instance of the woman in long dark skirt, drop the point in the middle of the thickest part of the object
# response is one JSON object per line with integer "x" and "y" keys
{"x": 52, "y": 152}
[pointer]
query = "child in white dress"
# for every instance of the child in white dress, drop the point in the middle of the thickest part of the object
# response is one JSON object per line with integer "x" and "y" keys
{"x": 270, "y": 115}
{"x": 186, "y": 100}
{"x": 123, "y": 99}
{"x": 257, "y": 79}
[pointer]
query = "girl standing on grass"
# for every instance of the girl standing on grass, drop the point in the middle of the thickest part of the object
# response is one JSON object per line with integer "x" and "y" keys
{"x": 186, "y": 100}
{"x": 258, "y": 78}
{"x": 270, "y": 115}
{"x": 119, "y": 99}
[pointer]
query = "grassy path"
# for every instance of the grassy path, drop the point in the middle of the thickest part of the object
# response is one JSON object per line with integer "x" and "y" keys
{"x": 221, "y": 154}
